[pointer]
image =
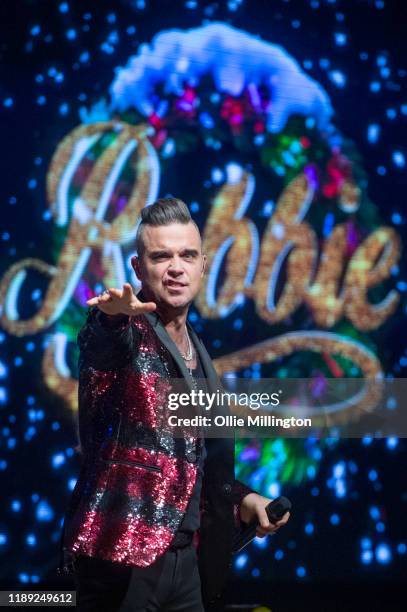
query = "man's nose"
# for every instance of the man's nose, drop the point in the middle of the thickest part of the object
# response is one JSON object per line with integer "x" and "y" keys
{"x": 175, "y": 267}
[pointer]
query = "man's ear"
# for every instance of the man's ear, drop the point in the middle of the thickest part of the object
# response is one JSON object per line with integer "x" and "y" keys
{"x": 135, "y": 262}
{"x": 203, "y": 265}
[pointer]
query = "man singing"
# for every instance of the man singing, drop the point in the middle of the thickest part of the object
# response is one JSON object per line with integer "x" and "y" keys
{"x": 151, "y": 520}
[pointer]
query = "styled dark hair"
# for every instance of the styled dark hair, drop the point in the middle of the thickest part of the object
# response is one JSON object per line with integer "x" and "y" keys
{"x": 163, "y": 211}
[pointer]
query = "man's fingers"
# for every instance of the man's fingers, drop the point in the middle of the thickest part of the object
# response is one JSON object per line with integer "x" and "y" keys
{"x": 283, "y": 520}
{"x": 140, "y": 307}
{"x": 105, "y": 297}
{"x": 127, "y": 291}
{"x": 263, "y": 518}
{"x": 260, "y": 531}
{"x": 266, "y": 528}
{"x": 98, "y": 299}
{"x": 115, "y": 292}
{"x": 92, "y": 301}
{"x": 148, "y": 306}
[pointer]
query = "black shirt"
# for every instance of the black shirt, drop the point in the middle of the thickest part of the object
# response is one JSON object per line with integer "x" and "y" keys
{"x": 191, "y": 520}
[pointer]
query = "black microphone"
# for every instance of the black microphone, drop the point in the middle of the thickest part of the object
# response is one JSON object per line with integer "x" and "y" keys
{"x": 275, "y": 511}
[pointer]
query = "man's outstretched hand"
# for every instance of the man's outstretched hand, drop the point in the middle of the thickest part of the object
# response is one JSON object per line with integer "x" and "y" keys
{"x": 121, "y": 301}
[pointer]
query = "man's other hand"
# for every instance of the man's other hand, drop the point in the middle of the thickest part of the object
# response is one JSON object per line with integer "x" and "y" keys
{"x": 121, "y": 301}
{"x": 253, "y": 507}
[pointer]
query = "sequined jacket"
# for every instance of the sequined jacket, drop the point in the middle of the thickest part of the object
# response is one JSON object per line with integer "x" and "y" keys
{"x": 136, "y": 478}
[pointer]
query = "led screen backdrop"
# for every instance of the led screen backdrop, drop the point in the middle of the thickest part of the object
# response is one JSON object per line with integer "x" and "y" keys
{"x": 279, "y": 124}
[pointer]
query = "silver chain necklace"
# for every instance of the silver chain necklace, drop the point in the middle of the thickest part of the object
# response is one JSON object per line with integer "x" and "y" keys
{"x": 189, "y": 355}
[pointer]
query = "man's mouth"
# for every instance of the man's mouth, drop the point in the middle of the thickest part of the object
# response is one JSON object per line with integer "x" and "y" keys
{"x": 174, "y": 284}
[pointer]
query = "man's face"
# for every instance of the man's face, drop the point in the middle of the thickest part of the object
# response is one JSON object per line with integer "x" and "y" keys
{"x": 172, "y": 265}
